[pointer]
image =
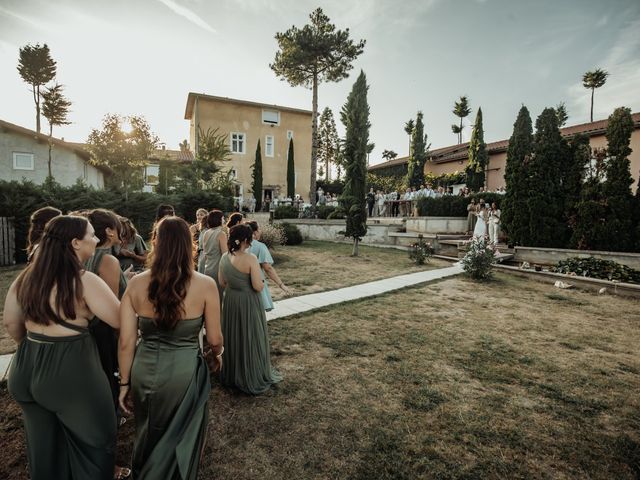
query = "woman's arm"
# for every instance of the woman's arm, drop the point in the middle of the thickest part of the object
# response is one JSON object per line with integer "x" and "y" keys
{"x": 273, "y": 275}
{"x": 102, "y": 302}
{"x": 222, "y": 241}
{"x": 126, "y": 344}
{"x": 13, "y": 317}
{"x": 212, "y": 322}
{"x": 221, "y": 278}
{"x": 256, "y": 277}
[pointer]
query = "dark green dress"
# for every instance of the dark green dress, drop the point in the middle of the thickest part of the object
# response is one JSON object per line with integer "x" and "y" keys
{"x": 247, "y": 362}
{"x": 66, "y": 403}
{"x": 170, "y": 387}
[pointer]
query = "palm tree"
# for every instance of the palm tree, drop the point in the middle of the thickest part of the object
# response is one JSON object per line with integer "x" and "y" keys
{"x": 408, "y": 129}
{"x": 461, "y": 109}
{"x": 55, "y": 109}
{"x": 389, "y": 155}
{"x": 593, "y": 80}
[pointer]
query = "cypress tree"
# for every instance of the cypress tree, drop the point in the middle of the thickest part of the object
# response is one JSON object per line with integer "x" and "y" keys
{"x": 256, "y": 175}
{"x": 547, "y": 225}
{"x": 573, "y": 179}
{"x": 415, "y": 175}
{"x": 515, "y": 210}
{"x": 355, "y": 117}
{"x": 478, "y": 156}
{"x": 617, "y": 186}
{"x": 291, "y": 172}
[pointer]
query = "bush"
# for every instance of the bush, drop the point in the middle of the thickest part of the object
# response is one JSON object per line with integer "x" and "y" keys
{"x": 285, "y": 211}
{"x": 292, "y": 234}
{"x": 324, "y": 211}
{"x": 272, "y": 235}
{"x": 479, "y": 259}
{"x": 338, "y": 213}
{"x": 454, "y": 205}
{"x": 421, "y": 251}
{"x": 597, "y": 268}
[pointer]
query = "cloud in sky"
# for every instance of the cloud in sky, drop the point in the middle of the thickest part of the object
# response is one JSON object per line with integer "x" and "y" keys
{"x": 188, "y": 14}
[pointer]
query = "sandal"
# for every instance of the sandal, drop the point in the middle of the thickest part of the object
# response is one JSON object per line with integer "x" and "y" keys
{"x": 121, "y": 473}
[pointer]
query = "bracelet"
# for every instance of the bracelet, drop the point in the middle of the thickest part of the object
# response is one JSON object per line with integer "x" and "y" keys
{"x": 219, "y": 355}
{"x": 125, "y": 384}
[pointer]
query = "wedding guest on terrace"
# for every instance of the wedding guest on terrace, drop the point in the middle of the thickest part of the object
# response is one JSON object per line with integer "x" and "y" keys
{"x": 471, "y": 216}
{"x": 244, "y": 323}
{"x": 371, "y": 201}
{"x": 37, "y": 222}
{"x": 131, "y": 251}
{"x": 55, "y": 375}
{"x": 214, "y": 245}
{"x": 168, "y": 378}
{"x": 261, "y": 251}
{"x": 380, "y": 206}
{"x": 494, "y": 223}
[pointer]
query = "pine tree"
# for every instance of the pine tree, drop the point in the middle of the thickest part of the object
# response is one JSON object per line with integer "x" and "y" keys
{"x": 515, "y": 211}
{"x": 478, "y": 156}
{"x": 256, "y": 175}
{"x": 617, "y": 186}
{"x": 36, "y": 67}
{"x": 461, "y": 109}
{"x": 291, "y": 172}
{"x": 562, "y": 114}
{"x": 573, "y": 176}
{"x": 327, "y": 141}
{"x": 355, "y": 117}
{"x": 418, "y": 157}
{"x": 55, "y": 108}
{"x": 547, "y": 225}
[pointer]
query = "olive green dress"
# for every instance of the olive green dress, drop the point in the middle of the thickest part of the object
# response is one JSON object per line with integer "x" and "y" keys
{"x": 66, "y": 403}
{"x": 247, "y": 362}
{"x": 170, "y": 387}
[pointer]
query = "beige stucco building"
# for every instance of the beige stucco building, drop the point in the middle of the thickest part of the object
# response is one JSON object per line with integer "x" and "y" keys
{"x": 244, "y": 123}
{"x": 454, "y": 158}
{"x": 24, "y": 154}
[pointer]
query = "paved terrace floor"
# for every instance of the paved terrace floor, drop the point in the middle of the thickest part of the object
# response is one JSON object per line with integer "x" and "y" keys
{"x": 305, "y": 303}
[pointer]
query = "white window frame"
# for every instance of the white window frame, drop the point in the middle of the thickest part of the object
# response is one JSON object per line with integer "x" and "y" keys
{"x": 268, "y": 144}
{"x": 269, "y": 122}
{"x": 243, "y": 142}
{"x": 146, "y": 174}
{"x": 15, "y": 161}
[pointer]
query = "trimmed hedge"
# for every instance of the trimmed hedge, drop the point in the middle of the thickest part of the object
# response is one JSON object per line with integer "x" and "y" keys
{"x": 21, "y": 199}
{"x": 453, "y": 205}
{"x": 285, "y": 211}
{"x": 292, "y": 234}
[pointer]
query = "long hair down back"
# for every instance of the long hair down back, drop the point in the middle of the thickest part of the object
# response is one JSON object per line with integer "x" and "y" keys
{"x": 38, "y": 221}
{"x": 171, "y": 261}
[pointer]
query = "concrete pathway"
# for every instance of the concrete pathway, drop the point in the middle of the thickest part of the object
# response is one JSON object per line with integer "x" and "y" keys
{"x": 305, "y": 303}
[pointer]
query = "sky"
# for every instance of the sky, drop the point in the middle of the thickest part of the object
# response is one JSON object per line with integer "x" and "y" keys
{"x": 143, "y": 57}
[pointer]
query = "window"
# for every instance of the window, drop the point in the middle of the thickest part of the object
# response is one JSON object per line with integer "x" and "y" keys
{"x": 289, "y": 134}
{"x": 152, "y": 174}
{"x": 268, "y": 146}
{"x": 271, "y": 117}
{"x": 22, "y": 161}
{"x": 238, "y": 141}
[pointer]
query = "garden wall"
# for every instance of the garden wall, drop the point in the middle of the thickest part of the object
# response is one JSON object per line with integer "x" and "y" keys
{"x": 312, "y": 229}
{"x": 437, "y": 224}
{"x": 551, "y": 256}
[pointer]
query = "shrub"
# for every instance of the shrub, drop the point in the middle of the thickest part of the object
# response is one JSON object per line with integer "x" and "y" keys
{"x": 337, "y": 214}
{"x": 421, "y": 251}
{"x": 285, "y": 211}
{"x": 272, "y": 235}
{"x": 454, "y": 205}
{"x": 292, "y": 234}
{"x": 479, "y": 259}
{"x": 324, "y": 211}
{"x": 597, "y": 268}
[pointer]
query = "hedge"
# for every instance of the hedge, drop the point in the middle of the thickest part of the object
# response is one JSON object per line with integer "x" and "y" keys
{"x": 20, "y": 199}
{"x": 286, "y": 211}
{"x": 453, "y": 205}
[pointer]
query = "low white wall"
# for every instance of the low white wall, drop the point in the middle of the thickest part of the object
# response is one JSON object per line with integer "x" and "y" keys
{"x": 437, "y": 224}
{"x": 551, "y": 256}
{"x": 328, "y": 230}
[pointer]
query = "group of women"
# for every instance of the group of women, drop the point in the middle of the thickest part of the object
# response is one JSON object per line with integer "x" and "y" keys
{"x": 96, "y": 340}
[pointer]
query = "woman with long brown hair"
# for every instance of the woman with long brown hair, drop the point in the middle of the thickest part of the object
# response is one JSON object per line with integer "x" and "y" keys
{"x": 55, "y": 374}
{"x": 168, "y": 376}
{"x": 37, "y": 222}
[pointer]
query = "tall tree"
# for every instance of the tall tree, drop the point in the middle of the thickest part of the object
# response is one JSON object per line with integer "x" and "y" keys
{"x": 55, "y": 108}
{"x": 37, "y": 68}
{"x": 213, "y": 151}
{"x": 355, "y": 118}
{"x": 315, "y": 53}
{"x": 562, "y": 114}
{"x": 327, "y": 141}
{"x": 617, "y": 185}
{"x": 389, "y": 154}
{"x": 515, "y": 208}
{"x": 461, "y": 109}
{"x": 592, "y": 80}
{"x": 408, "y": 129}
{"x": 547, "y": 223}
{"x": 478, "y": 156}
{"x": 256, "y": 175}
{"x": 124, "y": 150}
{"x": 291, "y": 172}
{"x": 418, "y": 157}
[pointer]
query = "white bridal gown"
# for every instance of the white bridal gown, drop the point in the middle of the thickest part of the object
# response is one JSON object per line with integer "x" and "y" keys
{"x": 481, "y": 227}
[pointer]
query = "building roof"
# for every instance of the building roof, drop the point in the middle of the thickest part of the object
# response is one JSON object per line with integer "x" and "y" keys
{"x": 77, "y": 148}
{"x": 461, "y": 151}
{"x": 180, "y": 156}
{"x": 191, "y": 98}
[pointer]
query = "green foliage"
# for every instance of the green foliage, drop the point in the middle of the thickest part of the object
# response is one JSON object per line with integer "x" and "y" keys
{"x": 272, "y": 235}
{"x": 592, "y": 80}
{"x": 205, "y": 172}
{"x": 515, "y": 208}
{"x": 461, "y": 109}
{"x": 421, "y": 251}
{"x": 479, "y": 259}
{"x": 385, "y": 183}
{"x": 334, "y": 186}
{"x": 256, "y": 175}
{"x": 292, "y": 234}
{"x": 55, "y": 109}
{"x": 561, "y": 114}
{"x": 454, "y": 205}
{"x": 418, "y": 156}
{"x": 286, "y": 211}
{"x": 596, "y": 268}
{"x": 478, "y": 156}
{"x": 21, "y": 199}
{"x": 323, "y": 211}
{"x": 355, "y": 117}
{"x": 36, "y": 67}
{"x": 338, "y": 214}
{"x": 327, "y": 141}
{"x": 291, "y": 172}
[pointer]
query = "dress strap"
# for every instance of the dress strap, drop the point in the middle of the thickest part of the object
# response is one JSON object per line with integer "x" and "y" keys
{"x": 72, "y": 326}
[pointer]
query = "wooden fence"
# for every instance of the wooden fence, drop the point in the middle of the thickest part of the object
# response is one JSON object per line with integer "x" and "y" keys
{"x": 7, "y": 242}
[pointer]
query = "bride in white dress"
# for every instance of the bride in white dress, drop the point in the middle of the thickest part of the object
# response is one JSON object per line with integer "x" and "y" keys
{"x": 480, "y": 231}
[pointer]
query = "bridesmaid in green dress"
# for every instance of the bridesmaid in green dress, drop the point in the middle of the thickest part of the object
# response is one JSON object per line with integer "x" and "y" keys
{"x": 168, "y": 376}
{"x": 244, "y": 323}
{"x": 55, "y": 374}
